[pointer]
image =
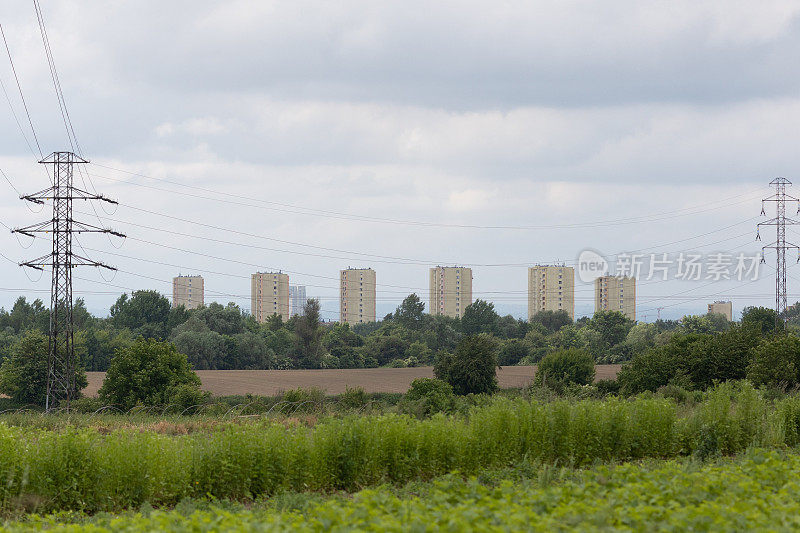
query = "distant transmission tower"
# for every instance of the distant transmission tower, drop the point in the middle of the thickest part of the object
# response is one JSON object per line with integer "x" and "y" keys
{"x": 61, "y": 387}
{"x": 780, "y": 245}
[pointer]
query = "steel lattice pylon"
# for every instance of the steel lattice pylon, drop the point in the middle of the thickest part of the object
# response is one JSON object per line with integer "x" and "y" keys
{"x": 61, "y": 367}
{"x": 780, "y": 245}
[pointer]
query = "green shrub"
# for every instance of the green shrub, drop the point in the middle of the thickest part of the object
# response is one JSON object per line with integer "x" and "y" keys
{"x": 565, "y": 367}
{"x": 607, "y": 387}
{"x": 693, "y": 361}
{"x": 472, "y": 368}
{"x": 776, "y": 363}
{"x": 149, "y": 372}
{"x": 513, "y": 351}
{"x": 302, "y": 400}
{"x": 428, "y": 396}
{"x": 354, "y": 398}
{"x": 87, "y": 405}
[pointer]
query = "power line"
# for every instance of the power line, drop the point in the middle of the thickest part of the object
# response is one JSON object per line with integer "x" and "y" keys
{"x": 369, "y": 256}
{"x": 9, "y": 182}
{"x": 62, "y": 103}
{"x": 254, "y": 202}
{"x": 21, "y": 94}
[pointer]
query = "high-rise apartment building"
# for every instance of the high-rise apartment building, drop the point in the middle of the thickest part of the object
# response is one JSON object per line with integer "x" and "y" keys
{"x": 269, "y": 295}
{"x": 450, "y": 290}
{"x": 551, "y": 288}
{"x": 722, "y": 308}
{"x": 188, "y": 291}
{"x": 357, "y": 293}
{"x": 297, "y": 299}
{"x": 615, "y": 293}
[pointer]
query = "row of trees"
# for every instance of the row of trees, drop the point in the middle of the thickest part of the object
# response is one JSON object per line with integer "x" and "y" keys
{"x": 224, "y": 337}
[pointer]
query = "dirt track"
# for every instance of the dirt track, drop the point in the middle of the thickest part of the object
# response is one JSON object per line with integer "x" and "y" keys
{"x": 271, "y": 382}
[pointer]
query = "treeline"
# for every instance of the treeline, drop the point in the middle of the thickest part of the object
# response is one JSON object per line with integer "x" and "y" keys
{"x": 225, "y": 337}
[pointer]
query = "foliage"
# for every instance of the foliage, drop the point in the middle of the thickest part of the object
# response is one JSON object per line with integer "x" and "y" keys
{"x": 479, "y": 317}
{"x": 24, "y": 316}
{"x": 612, "y": 326}
{"x": 472, "y": 367}
{"x": 692, "y": 360}
{"x": 428, "y": 396}
{"x": 354, "y": 398}
{"x": 23, "y": 376}
{"x": 552, "y": 321}
{"x": 512, "y": 352}
{"x": 565, "y": 367}
{"x": 145, "y": 313}
{"x": 671, "y": 495}
{"x": 763, "y": 318}
{"x": 410, "y": 313}
{"x": 309, "y": 337}
{"x": 83, "y": 469}
{"x": 226, "y": 337}
{"x": 776, "y": 363}
{"x": 150, "y": 372}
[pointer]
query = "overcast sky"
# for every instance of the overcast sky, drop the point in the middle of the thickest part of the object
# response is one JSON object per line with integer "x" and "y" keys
{"x": 402, "y": 135}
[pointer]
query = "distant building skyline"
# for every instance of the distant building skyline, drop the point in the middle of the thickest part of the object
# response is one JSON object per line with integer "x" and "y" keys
{"x": 551, "y": 288}
{"x": 615, "y": 293}
{"x": 722, "y": 308}
{"x": 188, "y": 291}
{"x": 269, "y": 295}
{"x": 357, "y": 295}
{"x": 449, "y": 291}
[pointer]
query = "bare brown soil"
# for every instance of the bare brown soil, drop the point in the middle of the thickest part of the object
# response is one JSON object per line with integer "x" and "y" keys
{"x": 272, "y": 382}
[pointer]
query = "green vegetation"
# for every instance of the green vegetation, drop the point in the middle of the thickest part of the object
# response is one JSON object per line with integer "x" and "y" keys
{"x": 756, "y": 492}
{"x": 428, "y": 396}
{"x": 90, "y": 470}
{"x": 150, "y": 372}
{"x": 224, "y": 337}
{"x": 565, "y": 367}
{"x": 23, "y": 375}
{"x": 471, "y": 368}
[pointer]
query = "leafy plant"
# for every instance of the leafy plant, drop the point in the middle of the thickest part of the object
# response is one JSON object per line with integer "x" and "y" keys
{"x": 565, "y": 367}
{"x": 428, "y": 396}
{"x": 471, "y": 369}
{"x": 150, "y": 372}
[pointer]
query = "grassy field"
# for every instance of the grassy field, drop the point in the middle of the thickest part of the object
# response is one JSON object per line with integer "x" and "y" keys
{"x": 395, "y": 380}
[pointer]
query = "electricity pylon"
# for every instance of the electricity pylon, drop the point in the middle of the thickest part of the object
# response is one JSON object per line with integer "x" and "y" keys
{"x": 61, "y": 365}
{"x": 780, "y": 245}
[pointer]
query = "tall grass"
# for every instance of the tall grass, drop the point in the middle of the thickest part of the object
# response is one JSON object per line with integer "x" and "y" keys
{"x": 80, "y": 468}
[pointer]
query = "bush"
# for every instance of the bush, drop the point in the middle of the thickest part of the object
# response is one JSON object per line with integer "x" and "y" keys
{"x": 776, "y": 363}
{"x": 354, "y": 398}
{"x": 607, "y": 387}
{"x": 472, "y": 368}
{"x": 428, "y": 396}
{"x": 512, "y": 352}
{"x": 565, "y": 367}
{"x": 150, "y": 372}
{"x": 693, "y": 361}
{"x": 303, "y": 399}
